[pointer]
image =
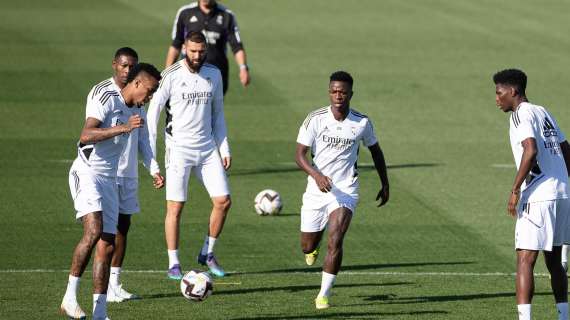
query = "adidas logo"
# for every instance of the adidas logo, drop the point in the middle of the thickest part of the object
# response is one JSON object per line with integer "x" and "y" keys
{"x": 183, "y": 84}
{"x": 548, "y": 129}
{"x": 193, "y": 19}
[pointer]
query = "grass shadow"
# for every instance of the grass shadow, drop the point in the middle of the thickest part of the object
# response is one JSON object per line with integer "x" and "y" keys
{"x": 363, "y": 267}
{"x": 280, "y": 168}
{"x": 295, "y": 289}
{"x": 392, "y": 299}
{"x": 344, "y": 315}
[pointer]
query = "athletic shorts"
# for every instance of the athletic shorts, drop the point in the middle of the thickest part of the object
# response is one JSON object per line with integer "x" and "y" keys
{"x": 317, "y": 208}
{"x": 95, "y": 193}
{"x": 128, "y": 195}
{"x": 542, "y": 225}
{"x": 206, "y": 166}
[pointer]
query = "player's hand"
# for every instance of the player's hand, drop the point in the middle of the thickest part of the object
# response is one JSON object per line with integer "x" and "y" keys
{"x": 512, "y": 205}
{"x": 227, "y": 163}
{"x": 244, "y": 77}
{"x": 323, "y": 182}
{"x": 135, "y": 121}
{"x": 157, "y": 181}
{"x": 383, "y": 194}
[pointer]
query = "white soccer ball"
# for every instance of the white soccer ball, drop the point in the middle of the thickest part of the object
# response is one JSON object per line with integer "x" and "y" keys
{"x": 196, "y": 285}
{"x": 268, "y": 202}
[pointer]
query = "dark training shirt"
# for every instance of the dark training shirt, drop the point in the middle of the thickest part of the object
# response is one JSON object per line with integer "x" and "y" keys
{"x": 219, "y": 27}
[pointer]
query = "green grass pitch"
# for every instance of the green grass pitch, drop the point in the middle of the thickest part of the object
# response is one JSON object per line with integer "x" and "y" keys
{"x": 441, "y": 249}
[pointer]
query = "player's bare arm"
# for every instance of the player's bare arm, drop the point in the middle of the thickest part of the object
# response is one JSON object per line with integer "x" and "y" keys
{"x": 380, "y": 165}
{"x": 527, "y": 162}
{"x": 565, "y": 147}
{"x": 91, "y": 132}
{"x": 244, "y": 77}
{"x": 171, "y": 56}
{"x": 323, "y": 182}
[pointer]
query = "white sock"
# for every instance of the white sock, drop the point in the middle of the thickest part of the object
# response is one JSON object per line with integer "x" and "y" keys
{"x": 172, "y": 258}
{"x": 99, "y": 306}
{"x": 564, "y": 253}
{"x": 562, "y": 308}
{"x": 524, "y": 311}
{"x": 326, "y": 284}
{"x": 72, "y": 287}
{"x": 114, "y": 276}
{"x": 208, "y": 246}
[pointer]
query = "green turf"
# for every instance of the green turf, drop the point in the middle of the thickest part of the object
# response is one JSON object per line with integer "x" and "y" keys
{"x": 422, "y": 73}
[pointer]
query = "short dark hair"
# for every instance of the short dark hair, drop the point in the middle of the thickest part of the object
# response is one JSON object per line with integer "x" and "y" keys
{"x": 143, "y": 67}
{"x": 342, "y": 76}
{"x": 512, "y": 77}
{"x": 126, "y": 51}
{"x": 195, "y": 36}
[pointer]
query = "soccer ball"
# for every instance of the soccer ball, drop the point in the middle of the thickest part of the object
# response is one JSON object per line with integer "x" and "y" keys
{"x": 196, "y": 285}
{"x": 268, "y": 202}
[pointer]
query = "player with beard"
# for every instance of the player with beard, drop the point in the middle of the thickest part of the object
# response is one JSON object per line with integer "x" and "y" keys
{"x": 191, "y": 91}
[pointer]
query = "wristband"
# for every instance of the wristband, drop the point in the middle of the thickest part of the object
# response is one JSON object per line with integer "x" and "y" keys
{"x": 243, "y": 67}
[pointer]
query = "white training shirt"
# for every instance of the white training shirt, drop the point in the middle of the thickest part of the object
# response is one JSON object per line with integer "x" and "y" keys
{"x": 548, "y": 178}
{"x": 102, "y": 158}
{"x": 138, "y": 139}
{"x": 334, "y": 146}
{"x": 194, "y": 110}
{"x": 138, "y": 142}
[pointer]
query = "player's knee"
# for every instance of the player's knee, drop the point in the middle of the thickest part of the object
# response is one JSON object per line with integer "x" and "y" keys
{"x": 107, "y": 243}
{"x": 223, "y": 203}
{"x": 92, "y": 235}
{"x": 526, "y": 260}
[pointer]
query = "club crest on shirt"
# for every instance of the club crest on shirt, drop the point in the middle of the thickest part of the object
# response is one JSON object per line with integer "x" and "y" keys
{"x": 220, "y": 19}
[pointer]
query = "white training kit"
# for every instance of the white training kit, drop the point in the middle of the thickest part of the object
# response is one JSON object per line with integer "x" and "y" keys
{"x": 334, "y": 147}
{"x": 543, "y": 206}
{"x": 195, "y": 132}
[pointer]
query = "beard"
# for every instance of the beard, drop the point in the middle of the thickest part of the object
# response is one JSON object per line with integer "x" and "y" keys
{"x": 193, "y": 64}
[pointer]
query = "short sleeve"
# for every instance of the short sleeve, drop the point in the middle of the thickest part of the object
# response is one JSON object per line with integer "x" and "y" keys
{"x": 524, "y": 125}
{"x": 234, "y": 37}
{"x": 307, "y": 131}
{"x": 178, "y": 29}
{"x": 368, "y": 136}
{"x": 95, "y": 109}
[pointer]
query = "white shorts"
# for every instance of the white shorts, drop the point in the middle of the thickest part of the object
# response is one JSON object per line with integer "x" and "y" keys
{"x": 128, "y": 195}
{"x": 95, "y": 193}
{"x": 542, "y": 225}
{"x": 317, "y": 208}
{"x": 206, "y": 166}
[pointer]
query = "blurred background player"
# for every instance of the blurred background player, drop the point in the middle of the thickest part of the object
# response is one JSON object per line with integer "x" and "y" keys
{"x": 333, "y": 134}
{"x": 127, "y": 175}
{"x": 538, "y": 197}
{"x": 92, "y": 181}
{"x": 196, "y": 142}
{"x": 219, "y": 26}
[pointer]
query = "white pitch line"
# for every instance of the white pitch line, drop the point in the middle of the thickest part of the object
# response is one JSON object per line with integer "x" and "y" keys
{"x": 353, "y": 273}
{"x": 503, "y": 165}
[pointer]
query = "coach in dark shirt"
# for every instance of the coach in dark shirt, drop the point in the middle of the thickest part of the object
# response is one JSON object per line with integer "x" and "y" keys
{"x": 220, "y": 27}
